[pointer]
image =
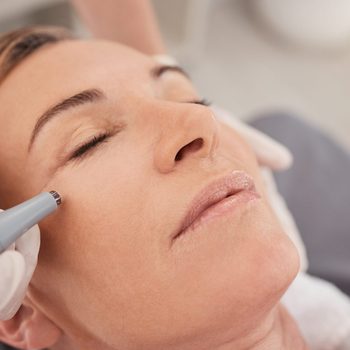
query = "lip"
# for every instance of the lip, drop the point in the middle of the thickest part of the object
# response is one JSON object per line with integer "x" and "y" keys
{"x": 218, "y": 198}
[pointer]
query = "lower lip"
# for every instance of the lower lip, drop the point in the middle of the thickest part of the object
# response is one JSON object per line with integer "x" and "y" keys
{"x": 224, "y": 207}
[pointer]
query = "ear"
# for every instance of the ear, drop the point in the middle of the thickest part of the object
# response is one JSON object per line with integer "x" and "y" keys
{"x": 29, "y": 329}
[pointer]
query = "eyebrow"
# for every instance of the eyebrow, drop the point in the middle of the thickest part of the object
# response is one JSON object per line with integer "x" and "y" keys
{"x": 88, "y": 96}
{"x": 82, "y": 98}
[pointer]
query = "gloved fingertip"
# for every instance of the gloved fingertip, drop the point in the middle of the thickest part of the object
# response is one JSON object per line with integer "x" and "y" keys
{"x": 285, "y": 159}
{"x": 12, "y": 272}
{"x": 277, "y": 159}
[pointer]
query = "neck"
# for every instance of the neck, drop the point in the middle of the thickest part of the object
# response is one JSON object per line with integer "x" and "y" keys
{"x": 278, "y": 332}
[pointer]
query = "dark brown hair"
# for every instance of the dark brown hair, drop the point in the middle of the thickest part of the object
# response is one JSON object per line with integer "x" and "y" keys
{"x": 16, "y": 45}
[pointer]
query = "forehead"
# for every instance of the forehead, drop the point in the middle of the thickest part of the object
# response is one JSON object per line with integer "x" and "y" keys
{"x": 68, "y": 66}
{"x": 60, "y": 70}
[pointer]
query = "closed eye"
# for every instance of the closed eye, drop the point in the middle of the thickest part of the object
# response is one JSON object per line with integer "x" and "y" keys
{"x": 96, "y": 140}
{"x": 86, "y": 147}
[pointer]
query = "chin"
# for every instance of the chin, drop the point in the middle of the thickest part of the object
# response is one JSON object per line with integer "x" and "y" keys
{"x": 238, "y": 265}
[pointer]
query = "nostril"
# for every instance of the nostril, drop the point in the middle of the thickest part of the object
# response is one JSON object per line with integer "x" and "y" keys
{"x": 193, "y": 146}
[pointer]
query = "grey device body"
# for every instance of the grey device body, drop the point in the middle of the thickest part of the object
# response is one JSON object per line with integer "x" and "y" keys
{"x": 14, "y": 222}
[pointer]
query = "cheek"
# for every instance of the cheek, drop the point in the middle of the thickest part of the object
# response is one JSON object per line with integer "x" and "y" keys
{"x": 250, "y": 260}
{"x": 100, "y": 215}
{"x": 271, "y": 261}
{"x": 100, "y": 244}
{"x": 234, "y": 143}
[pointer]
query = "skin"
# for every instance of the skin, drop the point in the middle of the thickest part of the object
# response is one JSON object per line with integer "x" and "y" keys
{"x": 108, "y": 275}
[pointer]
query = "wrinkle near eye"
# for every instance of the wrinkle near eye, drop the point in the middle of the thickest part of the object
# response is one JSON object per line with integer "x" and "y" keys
{"x": 49, "y": 153}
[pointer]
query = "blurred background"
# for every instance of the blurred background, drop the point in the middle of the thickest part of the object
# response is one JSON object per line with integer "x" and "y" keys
{"x": 249, "y": 56}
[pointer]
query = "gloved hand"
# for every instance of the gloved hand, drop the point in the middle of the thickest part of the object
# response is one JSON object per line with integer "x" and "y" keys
{"x": 17, "y": 265}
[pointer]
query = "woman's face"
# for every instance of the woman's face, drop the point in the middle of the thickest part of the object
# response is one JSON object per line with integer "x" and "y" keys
{"x": 110, "y": 271}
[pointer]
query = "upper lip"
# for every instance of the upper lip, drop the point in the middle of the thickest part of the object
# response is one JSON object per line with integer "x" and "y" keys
{"x": 236, "y": 181}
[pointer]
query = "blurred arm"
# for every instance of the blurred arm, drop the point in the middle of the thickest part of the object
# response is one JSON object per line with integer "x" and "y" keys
{"x": 131, "y": 22}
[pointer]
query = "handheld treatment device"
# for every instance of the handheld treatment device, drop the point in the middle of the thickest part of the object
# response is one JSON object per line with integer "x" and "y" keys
{"x": 16, "y": 221}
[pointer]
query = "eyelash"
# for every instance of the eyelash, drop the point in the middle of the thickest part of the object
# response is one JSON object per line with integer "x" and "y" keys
{"x": 97, "y": 140}
{"x": 83, "y": 150}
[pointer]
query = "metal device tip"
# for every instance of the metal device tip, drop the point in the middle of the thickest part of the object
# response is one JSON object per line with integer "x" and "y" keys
{"x": 57, "y": 197}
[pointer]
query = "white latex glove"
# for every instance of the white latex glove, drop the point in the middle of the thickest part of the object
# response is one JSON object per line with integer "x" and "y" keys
{"x": 17, "y": 265}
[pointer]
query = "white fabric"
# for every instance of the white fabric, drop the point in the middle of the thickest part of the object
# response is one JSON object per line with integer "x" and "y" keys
{"x": 322, "y": 312}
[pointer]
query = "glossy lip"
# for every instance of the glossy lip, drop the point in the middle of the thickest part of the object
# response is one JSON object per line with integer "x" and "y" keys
{"x": 236, "y": 182}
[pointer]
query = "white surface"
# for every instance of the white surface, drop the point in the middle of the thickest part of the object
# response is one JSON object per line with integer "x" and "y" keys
{"x": 323, "y": 23}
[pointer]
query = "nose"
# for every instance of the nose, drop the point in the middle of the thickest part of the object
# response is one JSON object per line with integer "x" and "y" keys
{"x": 187, "y": 132}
